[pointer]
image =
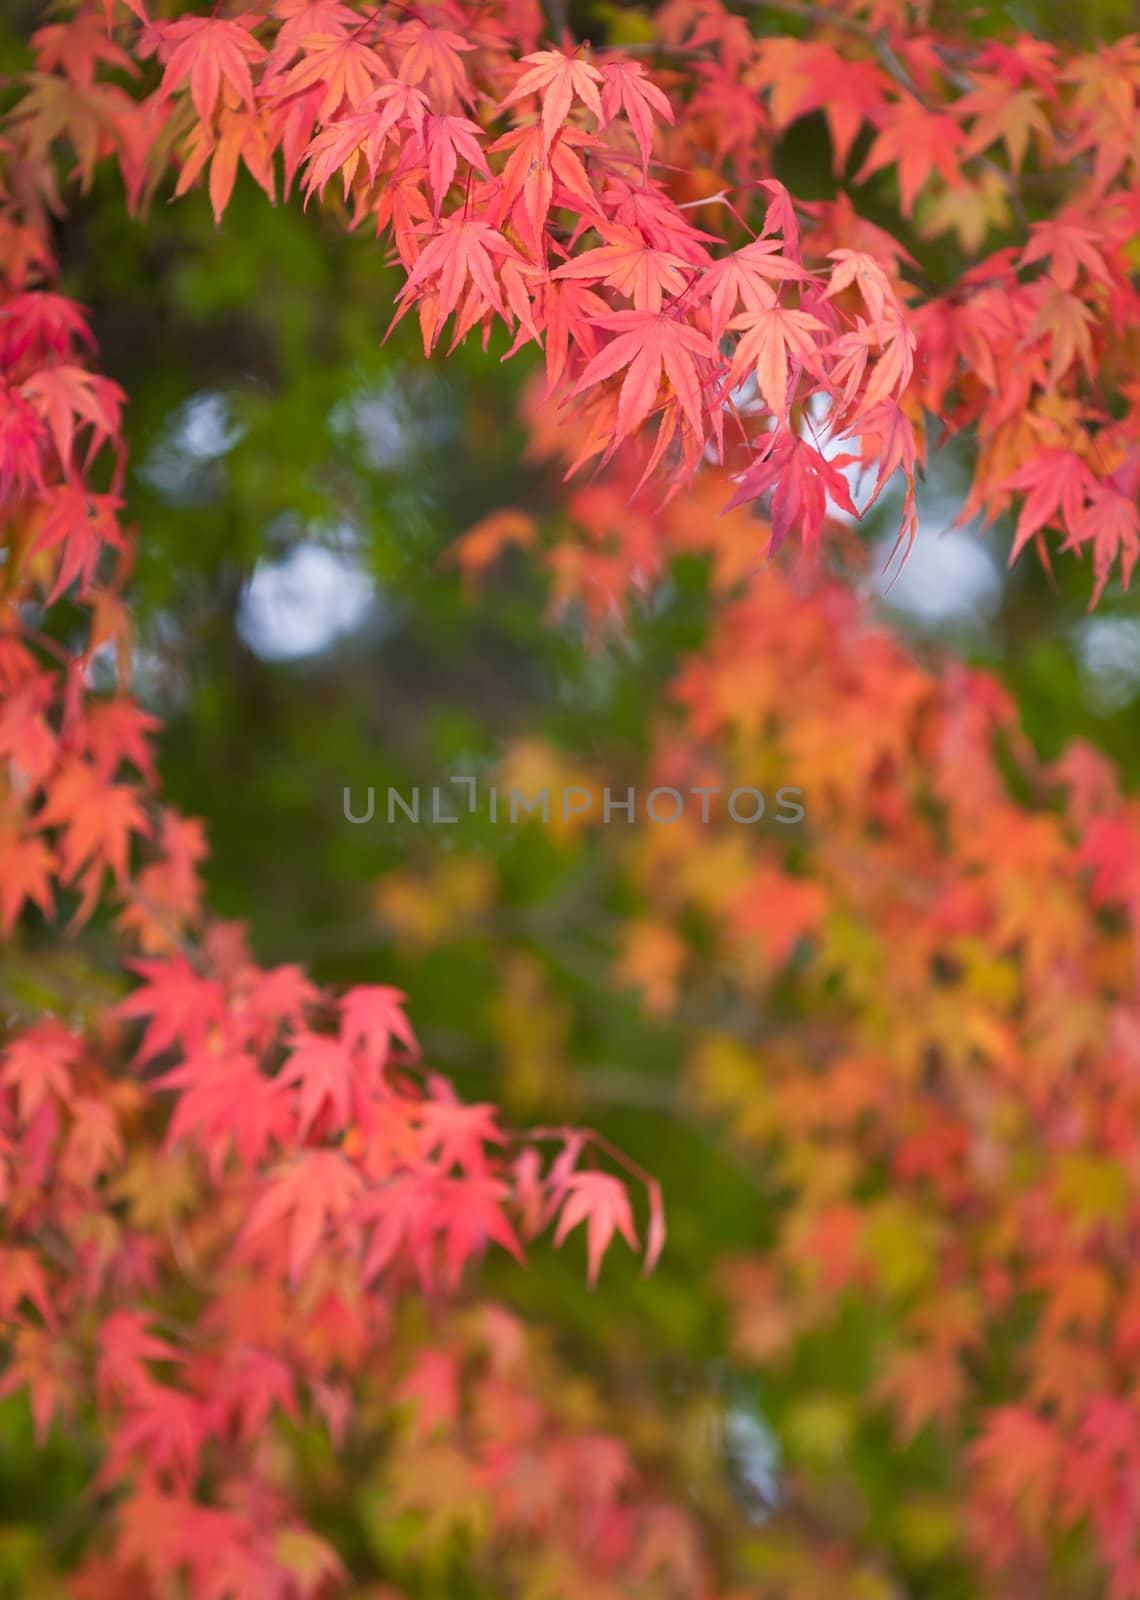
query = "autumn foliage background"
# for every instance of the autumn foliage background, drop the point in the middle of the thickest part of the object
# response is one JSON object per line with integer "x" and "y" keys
{"x": 744, "y": 397}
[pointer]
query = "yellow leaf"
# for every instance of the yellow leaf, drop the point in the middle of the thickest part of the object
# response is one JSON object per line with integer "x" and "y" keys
{"x": 819, "y": 1428}
{"x": 158, "y": 1188}
{"x": 651, "y": 960}
{"x": 928, "y": 1528}
{"x": 625, "y": 24}
{"x": 534, "y": 781}
{"x": 531, "y": 1024}
{"x": 1092, "y": 1189}
{"x": 308, "y": 1557}
{"x": 901, "y": 1242}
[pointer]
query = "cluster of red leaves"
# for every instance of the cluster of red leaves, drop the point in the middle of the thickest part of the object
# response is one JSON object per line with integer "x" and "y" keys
{"x": 271, "y": 1159}
{"x": 554, "y": 191}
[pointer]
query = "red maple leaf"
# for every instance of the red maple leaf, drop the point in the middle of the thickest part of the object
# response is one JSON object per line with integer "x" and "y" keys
{"x": 800, "y": 481}
{"x": 601, "y": 1202}
{"x": 181, "y": 1004}
{"x": 649, "y": 347}
{"x": 559, "y": 80}
{"x": 461, "y": 255}
{"x": 209, "y": 51}
{"x": 626, "y": 86}
{"x": 313, "y": 1192}
{"x": 632, "y": 267}
{"x": 371, "y": 1016}
{"x": 38, "y": 1063}
{"x": 325, "y": 1073}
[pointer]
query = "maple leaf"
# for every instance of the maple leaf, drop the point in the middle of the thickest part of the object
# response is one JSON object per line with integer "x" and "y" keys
{"x": 780, "y": 909}
{"x": 1019, "y": 1455}
{"x": 861, "y": 269}
{"x": 1059, "y": 482}
{"x": 56, "y": 107}
{"x": 770, "y": 338}
{"x": 471, "y": 1215}
{"x": 745, "y": 278}
{"x": 22, "y": 438}
{"x": 25, "y": 737}
{"x": 250, "y": 1387}
{"x": 626, "y": 86}
{"x": 117, "y": 730}
{"x": 27, "y": 866}
{"x": 323, "y": 1069}
{"x": 447, "y": 139}
{"x": 457, "y": 1133}
{"x": 313, "y": 1191}
{"x": 571, "y": 315}
{"x": 165, "y": 1428}
{"x": 156, "y": 1531}
{"x": 800, "y": 481}
{"x": 305, "y": 19}
{"x": 918, "y": 142}
{"x": 225, "y": 1103}
{"x": 532, "y": 175}
{"x": 346, "y": 67}
{"x": 1069, "y": 243}
{"x": 484, "y": 542}
{"x": 434, "y": 55}
{"x": 433, "y": 1384}
{"x": 1011, "y": 116}
{"x": 41, "y": 1364}
{"x": 126, "y": 1344}
{"x": 77, "y": 47}
{"x": 22, "y": 1278}
{"x": 282, "y": 994}
{"x": 922, "y": 1384}
{"x": 310, "y": 1561}
{"x": 1069, "y": 323}
{"x": 40, "y": 323}
{"x": 558, "y": 80}
{"x": 85, "y": 524}
{"x": 371, "y": 1016}
{"x": 94, "y": 1142}
{"x": 240, "y": 135}
{"x": 461, "y": 253}
{"x": 649, "y": 346}
{"x": 37, "y": 1063}
{"x": 809, "y": 75}
{"x": 210, "y": 52}
{"x": 66, "y": 397}
{"x": 365, "y": 132}
{"x": 181, "y": 1004}
{"x": 601, "y": 1202}
{"x": 1111, "y": 523}
{"x": 98, "y": 819}
{"x": 632, "y": 267}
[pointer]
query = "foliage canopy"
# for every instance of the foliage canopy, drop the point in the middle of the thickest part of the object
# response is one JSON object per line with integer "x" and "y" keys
{"x": 249, "y": 1277}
